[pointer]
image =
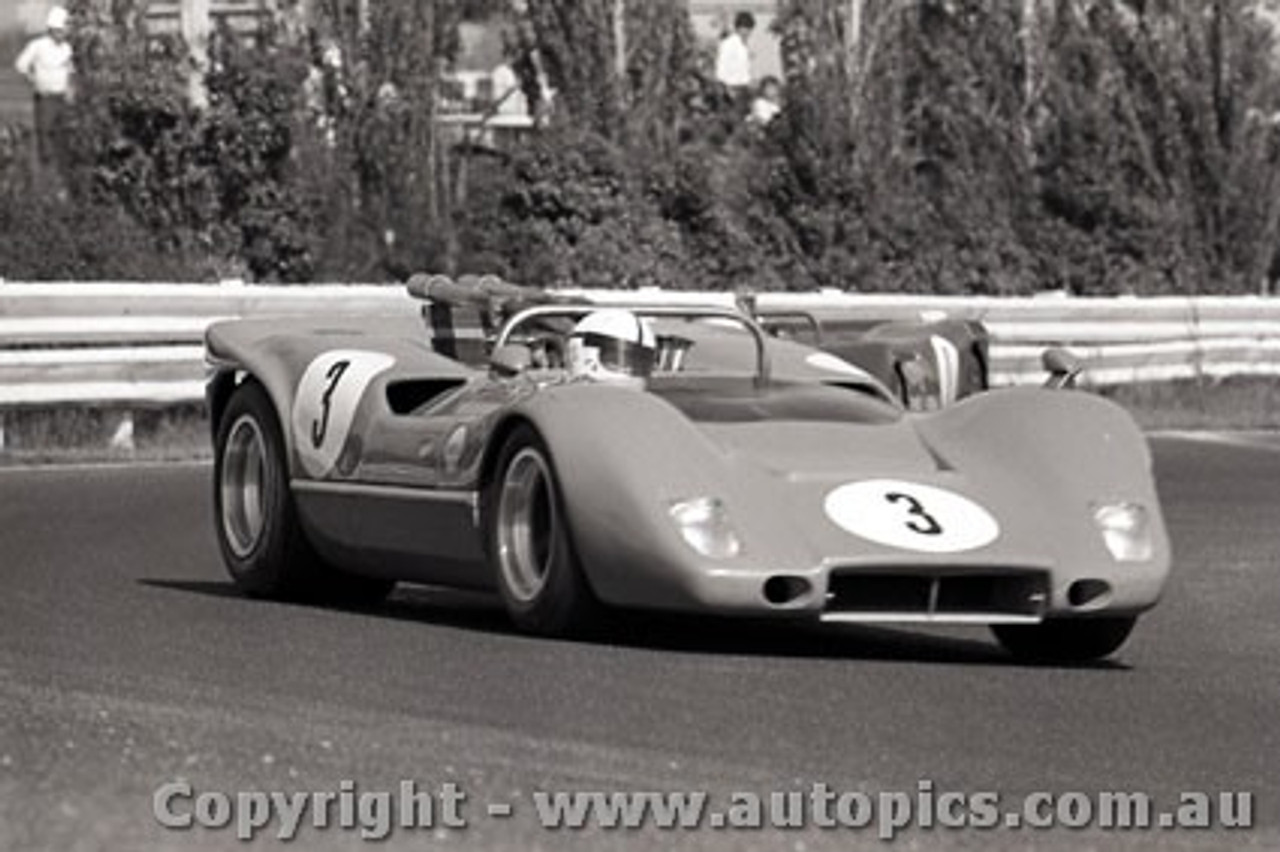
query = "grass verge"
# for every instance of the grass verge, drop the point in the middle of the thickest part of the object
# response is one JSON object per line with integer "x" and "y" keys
{"x": 1202, "y": 404}
{"x": 83, "y": 434}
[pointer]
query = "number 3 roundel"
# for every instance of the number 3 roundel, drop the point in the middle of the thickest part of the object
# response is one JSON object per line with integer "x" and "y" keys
{"x": 326, "y": 404}
{"x": 911, "y": 516}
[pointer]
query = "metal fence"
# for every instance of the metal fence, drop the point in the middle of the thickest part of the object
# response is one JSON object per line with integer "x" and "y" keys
{"x": 140, "y": 344}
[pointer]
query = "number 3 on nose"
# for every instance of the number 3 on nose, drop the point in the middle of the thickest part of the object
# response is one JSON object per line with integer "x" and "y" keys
{"x": 920, "y": 521}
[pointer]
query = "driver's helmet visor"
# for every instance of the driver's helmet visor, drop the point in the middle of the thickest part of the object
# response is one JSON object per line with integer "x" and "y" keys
{"x": 617, "y": 355}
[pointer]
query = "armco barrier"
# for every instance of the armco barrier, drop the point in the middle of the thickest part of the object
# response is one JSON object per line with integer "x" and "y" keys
{"x": 1121, "y": 340}
{"x": 139, "y": 344}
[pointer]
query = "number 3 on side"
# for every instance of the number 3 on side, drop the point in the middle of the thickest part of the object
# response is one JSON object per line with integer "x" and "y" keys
{"x": 326, "y": 403}
{"x": 320, "y": 426}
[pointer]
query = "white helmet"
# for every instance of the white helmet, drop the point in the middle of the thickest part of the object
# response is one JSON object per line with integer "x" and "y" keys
{"x": 612, "y": 345}
{"x": 57, "y": 19}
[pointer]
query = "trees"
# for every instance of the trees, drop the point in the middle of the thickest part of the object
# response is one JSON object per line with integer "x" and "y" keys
{"x": 310, "y": 152}
{"x": 927, "y": 145}
{"x": 1148, "y": 158}
{"x": 930, "y": 145}
{"x": 961, "y": 145}
{"x": 621, "y": 68}
{"x": 621, "y": 188}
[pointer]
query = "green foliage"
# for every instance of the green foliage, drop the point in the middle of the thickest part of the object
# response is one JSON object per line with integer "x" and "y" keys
{"x": 953, "y": 147}
{"x": 575, "y": 45}
{"x": 48, "y": 239}
{"x": 567, "y": 211}
{"x": 931, "y": 156}
{"x": 913, "y": 179}
{"x": 210, "y": 183}
{"x": 297, "y": 167}
{"x": 575, "y": 208}
{"x": 574, "y": 42}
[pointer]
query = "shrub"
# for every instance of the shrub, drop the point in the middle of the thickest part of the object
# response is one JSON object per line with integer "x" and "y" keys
{"x": 954, "y": 147}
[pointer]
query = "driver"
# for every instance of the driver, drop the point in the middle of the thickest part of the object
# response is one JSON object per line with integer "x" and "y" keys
{"x": 612, "y": 345}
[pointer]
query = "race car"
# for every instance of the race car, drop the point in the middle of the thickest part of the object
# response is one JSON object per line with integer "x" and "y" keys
{"x": 573, "y": 460}
{"x": 928, "y": 363}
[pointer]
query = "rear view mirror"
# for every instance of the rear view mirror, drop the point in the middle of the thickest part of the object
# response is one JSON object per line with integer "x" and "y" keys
{"x": 1062, "y": 366}
{"x": 511, "y": 359}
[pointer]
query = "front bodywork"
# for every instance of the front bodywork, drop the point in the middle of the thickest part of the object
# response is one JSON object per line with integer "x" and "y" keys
{"x": 392, "y": 445}
{"x": 1039, "y": 464}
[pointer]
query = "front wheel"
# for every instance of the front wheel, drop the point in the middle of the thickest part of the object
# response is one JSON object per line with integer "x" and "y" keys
{"x": 528, "y": 542}
{"x": 1066, "y": 640}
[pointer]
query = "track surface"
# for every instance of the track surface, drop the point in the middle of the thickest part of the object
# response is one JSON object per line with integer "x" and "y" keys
{"x": 126, "y": 661}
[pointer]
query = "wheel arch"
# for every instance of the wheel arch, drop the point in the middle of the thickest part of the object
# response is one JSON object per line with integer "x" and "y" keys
{"x": 222, "y": 384}
{"x": 489, "y": 472}
{"x": 273, "y": 378}
{"x": 497, "y": 440}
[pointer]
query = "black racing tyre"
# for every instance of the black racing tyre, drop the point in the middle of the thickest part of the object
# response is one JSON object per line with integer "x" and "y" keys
{"x": 1066, "y": 640}
{"x": 263, "y": 545}
{"x": 529, "y": 544}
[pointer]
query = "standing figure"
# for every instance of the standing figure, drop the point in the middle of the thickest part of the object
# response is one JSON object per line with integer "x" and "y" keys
{"x": 733, "y": 61}
{"x": 46, "y": 62}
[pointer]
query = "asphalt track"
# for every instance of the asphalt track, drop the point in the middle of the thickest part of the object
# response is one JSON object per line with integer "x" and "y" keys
{"x": 127, "y": 661}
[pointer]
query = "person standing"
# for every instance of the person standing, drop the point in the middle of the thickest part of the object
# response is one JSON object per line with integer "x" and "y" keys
{"x": 46, "y": 62}
{"x": 733, "y": 60}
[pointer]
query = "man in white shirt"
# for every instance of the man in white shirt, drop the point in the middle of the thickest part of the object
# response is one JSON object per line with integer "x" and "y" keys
{"x": 733, "y": 59}
{"x": 46, "y": 62}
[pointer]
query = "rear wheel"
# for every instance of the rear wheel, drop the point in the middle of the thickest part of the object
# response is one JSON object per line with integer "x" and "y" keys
{"x": 1066, "y": 640}
{"x": 263, "y": 545}
{"x": 528, "y": 542}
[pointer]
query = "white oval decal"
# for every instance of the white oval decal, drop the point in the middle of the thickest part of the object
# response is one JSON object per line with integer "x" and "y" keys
{"x": 326, "y": 403}
{"x": 911, "y": 516}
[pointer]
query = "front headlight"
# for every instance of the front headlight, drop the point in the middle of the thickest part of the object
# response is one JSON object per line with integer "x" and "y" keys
{"x": 1126, "y": 530}
{"x": 704, "y": 525}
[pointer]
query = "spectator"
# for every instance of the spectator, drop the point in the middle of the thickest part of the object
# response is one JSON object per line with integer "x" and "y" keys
{"x": 733, "y": 59}
{"x": 46, "y": 62}
{"x": 767, "y": 103}
{"x": 325, "y": 90}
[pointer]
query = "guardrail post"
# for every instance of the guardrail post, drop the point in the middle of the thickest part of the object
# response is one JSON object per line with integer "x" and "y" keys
{"x": 122, "y": 437}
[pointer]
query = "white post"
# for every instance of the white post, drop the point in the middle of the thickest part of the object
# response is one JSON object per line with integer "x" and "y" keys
{"x": 620, "y": 40}
{"x": 195, "y": 23}
{"x": 855, "y": 34}
{"x": 1030, "y": 38}
{"x": 122, "y": 437}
